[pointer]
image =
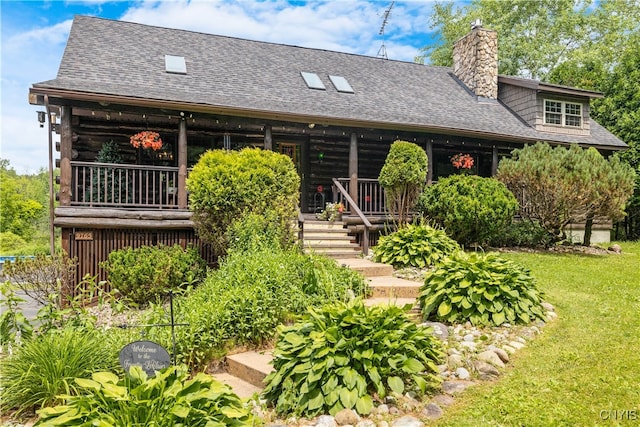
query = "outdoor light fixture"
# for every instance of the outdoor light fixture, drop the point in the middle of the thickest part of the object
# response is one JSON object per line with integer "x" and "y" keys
{"x": 41, "y": 118}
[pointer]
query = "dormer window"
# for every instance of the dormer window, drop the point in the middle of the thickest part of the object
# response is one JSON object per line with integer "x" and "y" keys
{"x": 562, "y": 113}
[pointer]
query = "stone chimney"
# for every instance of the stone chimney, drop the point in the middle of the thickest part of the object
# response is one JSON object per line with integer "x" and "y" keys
{"x": 475, "y": 61}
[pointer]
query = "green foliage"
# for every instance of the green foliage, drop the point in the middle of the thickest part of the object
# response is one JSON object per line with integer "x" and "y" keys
{"x": 19, "y": 211}
{"x": 556, "y": 186}
{"x": 250, "y": 294}
{"x": 403, "y": 176}
{"x": 14, "y": 326}
{"x": 483, "y": 289}
{"x": 339, "y": 355}
{"x": 42, "y": 277}
{"x": 255, "y": 231}
{"x": 146, "y": 273}
{"x": 522, "y": 234}
{"x": 471, "y": 209}
{"x": 416, "y": 245}
{"x": 225, "y": 185}
{"x": 169, "y": 398}
{"x": 41, "y": 369}
{"x": 10, "y": 243}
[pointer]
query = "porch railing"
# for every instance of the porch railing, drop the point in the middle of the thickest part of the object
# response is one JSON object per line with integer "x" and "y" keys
{"x": 124, "y": 186}
{"x": 355, "y": 210}
{"x": 371, "y": 198}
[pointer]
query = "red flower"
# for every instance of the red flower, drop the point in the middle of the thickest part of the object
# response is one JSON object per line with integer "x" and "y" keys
{"x": 462, "y": 161}
{"x": 147, "y": 139}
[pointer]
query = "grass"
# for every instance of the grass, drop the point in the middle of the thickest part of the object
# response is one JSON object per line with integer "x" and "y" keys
{"x": 586, "y": 363}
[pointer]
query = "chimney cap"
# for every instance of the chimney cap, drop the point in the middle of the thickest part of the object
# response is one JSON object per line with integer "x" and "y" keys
{"x": 476, "y": 24}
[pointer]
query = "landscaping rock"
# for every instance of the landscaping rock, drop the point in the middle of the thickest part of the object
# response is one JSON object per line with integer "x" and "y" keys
{"x": 509, "y": 349}
{"x": 326, "y": 421}
{"x": 503, "y": 355}
{"x": 382, "y": 409}
{"x": 443, "y": 400}
{"x": 468, "y": 338}
{"x": 383, "y": 424}
{"x": 490, "y": 356}
{"x": 407, "y": 421}
{"x": 468, "y": 345}
{"x": 432, "y": 411}
{"x": 516, "y": 344}
{"x": 463, "y": 374}
{"x": 439, "y": 330}
{"x": 486, "y": 371}
{"x": 454, "y": 387}
{"x": 455, "y": 360}
{"x": 347, "y": 416}
{"x": 547, "y": 306}
{"x": 615, "y": 248}
{"x": 366, "y": 423}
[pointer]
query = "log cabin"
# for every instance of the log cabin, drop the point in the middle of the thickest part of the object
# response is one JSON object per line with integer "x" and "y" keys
{"x": 335, "y": 114}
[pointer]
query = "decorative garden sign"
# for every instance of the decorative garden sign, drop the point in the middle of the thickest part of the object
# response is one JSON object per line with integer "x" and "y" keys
{"x": 149, "y": 355}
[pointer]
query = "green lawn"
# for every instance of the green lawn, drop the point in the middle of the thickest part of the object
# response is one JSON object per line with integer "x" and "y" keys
{"x": 585, "y": 365}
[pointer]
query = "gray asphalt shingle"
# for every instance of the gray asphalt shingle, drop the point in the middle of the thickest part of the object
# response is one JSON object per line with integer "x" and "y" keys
{"x": 127, "y": 59}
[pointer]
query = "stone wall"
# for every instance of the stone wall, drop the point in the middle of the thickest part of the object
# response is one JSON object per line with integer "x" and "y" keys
{"x": 475, "y": 62}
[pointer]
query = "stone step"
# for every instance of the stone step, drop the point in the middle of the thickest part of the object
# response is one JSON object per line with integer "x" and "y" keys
{"x": 336, "y": 253}
{"x": 240, "y": 387}
{"x": 323, "y": 225}
{"x": 330, "y": 244}
{"x": 313, "y": 236}
{"x": 251, "y": 367}
{"x": 393, "y": 287}
{"x": 367, "y": 268}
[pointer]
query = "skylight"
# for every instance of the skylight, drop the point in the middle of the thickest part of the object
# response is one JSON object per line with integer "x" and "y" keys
{"x": 341, "y": 84}
{"x": 312, "y": 80}
{"x": 175, "y": 64}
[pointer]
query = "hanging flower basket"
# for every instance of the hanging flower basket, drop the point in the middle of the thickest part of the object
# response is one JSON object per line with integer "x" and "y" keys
{"x": 462, "y": 161}
{"x": 147, "y": 139}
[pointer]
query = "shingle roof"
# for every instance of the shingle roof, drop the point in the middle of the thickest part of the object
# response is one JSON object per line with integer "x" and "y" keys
{"x": 127, "y": 59}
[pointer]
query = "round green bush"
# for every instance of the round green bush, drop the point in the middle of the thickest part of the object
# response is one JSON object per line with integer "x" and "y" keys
{"x": 42, "y": 368}
{"x": 226, "y": 185}
{"x": 339, "y": 355}
{"x": 471, "y": 209}
{"x": 416, "y": 245}
{"x": 481, "y": 288}
{"x": 147, "y": 273}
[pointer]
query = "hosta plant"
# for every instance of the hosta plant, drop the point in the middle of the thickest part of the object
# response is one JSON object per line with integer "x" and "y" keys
{"x": 168, "y": 399}
{"x": 416, "y": 245}
{"x": 346, "y": 355}
{"x": 484, "y": 289}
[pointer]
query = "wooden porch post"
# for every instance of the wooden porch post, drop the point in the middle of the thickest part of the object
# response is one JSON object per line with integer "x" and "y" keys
{"x": 353, "y": 167}
{"x": 268, "y": 139}
{"x": 429, "y": 161}
{"x": 182, "y": 165}
{"x": 66, "y": 153}
{"x": 494, "y": 161}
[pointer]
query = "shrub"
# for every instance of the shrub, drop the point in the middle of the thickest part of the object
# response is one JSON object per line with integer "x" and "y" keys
{"x": 471, "y": 209}
{"x": 14, "y": 326}
{"x": 339, "y": 355}
{"x": 250, "y": 294}
{"x": 522, "y": 234}
{"x": 41, "y": 369}
{"x": 146, "y": 273}
{"x": 10, "y": 243}
{"x": 225, "y": 185}
{"x": 169, "y": 398}
{"x": 42, "y": 276}
{"x": 416, "y": 245}
{"x": 403, "y": 176}
{"x": 254, "y": 231}
{"x": 483, "y": 289}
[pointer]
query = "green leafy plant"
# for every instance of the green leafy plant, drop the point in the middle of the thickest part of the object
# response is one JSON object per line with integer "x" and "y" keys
{"x": 225, "y": 185}
{"x": 522, "y": 233}
{"x": 416, "y": 245}
{"x": 41, "y": 369}
{"x": 403, "y": 176}
{"x": 14, "y": 326}
{"x": 257, "y": 231}
{"x": 331, "y": 212}
{"x": 470, "y": 208}
{"x": 484, "y": 289}
{"x": 146, "y": 273}
{"x": 250, "y": 294}
{"x": 341, "y": 355}
{"x": 168, "y": 399}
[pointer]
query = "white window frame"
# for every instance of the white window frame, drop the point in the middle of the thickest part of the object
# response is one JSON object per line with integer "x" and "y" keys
{"x": 564, "y": 114}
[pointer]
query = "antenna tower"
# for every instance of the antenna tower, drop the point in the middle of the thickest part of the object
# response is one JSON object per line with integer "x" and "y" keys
{"x": 382, "y": 52}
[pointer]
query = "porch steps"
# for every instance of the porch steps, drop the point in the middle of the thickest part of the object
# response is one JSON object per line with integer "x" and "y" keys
{"x": 246, "y": 371}
{"x": 330, "y": 239}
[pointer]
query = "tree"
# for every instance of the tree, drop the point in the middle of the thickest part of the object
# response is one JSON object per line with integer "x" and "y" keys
{"x": 403, "y": 177}
{"x": 556, "y": 186}
{"x": 19, "y": 213}
{"x": 535, "y": 37}
{"x": 226, "y": 186}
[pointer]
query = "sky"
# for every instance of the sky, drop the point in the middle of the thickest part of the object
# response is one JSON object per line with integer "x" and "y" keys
{"x": 34, "y": 34}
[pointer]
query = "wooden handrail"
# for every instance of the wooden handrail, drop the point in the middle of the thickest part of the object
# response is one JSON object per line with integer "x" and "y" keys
{"x": 300, "y": 227}
{"x": 354, "y": 208}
